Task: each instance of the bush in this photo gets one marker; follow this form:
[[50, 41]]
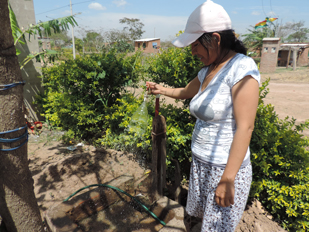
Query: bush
[[280, 163], [179, 128], [175, 67], [122, 46], [86, 96], [118, 136], [78, 92]]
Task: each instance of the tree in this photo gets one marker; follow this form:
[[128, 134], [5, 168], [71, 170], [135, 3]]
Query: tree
[[94, 40], [91, 40], [134, 26], [79, 45], [114, 35], [295, 31], [18, 205], [60, 38], [254, 39]]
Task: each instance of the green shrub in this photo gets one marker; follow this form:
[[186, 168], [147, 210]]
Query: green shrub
[[86, 96], [175, 67], [280, 166], [122, 46], [78, 92], [118, 136], [179, 129]]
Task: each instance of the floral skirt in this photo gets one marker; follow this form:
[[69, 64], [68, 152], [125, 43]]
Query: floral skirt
[[201, 203]]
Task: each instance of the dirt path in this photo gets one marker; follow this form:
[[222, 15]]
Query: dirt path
[[291, 99], [289, 93]]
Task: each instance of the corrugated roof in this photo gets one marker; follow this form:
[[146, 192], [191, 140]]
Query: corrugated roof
[[286, 47], [294, 45], [146, 40], [271, 39]]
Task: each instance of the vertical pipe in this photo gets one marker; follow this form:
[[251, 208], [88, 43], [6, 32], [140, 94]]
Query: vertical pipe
[[73, 40], [157, 105]]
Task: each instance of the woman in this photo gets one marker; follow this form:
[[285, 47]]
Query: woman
[[224, 100]]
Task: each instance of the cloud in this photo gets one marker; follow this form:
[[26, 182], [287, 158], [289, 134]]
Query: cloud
[[164, 27], [255, 13], [234, 12], [96, 6], [120, 2], [66, 12]]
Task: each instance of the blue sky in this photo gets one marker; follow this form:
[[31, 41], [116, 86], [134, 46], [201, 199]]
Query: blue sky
[[164, 18]]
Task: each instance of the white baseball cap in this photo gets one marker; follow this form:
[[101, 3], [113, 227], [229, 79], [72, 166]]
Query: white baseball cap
[[208, 17]]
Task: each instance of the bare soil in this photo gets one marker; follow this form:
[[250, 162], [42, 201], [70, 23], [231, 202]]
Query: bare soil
[[289, 93], [58, 172]]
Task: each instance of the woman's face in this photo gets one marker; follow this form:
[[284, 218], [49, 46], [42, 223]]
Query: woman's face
[[200, 51]]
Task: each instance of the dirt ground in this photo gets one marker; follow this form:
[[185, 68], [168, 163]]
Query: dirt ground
[[58, 172], [288, 92]]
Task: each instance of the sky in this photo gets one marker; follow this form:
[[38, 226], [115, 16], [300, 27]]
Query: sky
[[165, 18]]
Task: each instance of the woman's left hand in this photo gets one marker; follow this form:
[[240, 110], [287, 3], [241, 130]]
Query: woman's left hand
[[225, 193]]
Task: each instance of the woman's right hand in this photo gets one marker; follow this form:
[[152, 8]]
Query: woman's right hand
[[153, 88]]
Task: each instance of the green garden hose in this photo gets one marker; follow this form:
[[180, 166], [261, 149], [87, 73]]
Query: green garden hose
[[112, 187]]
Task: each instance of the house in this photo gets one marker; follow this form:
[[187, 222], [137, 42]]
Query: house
[[150, 45], [45, 43], [286, 52], [269, 54], [276, 54]]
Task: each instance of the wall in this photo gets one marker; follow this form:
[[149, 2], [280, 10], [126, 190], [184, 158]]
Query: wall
[[149, 48], [269, 56], [303, 57], [24, 11]]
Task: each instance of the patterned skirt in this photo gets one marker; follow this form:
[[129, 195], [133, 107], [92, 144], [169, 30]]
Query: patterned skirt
[[201, 203]]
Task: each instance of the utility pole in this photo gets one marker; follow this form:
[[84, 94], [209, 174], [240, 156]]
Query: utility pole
[[73, 40]]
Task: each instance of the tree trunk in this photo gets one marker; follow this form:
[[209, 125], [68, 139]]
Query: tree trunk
[[18, 205]]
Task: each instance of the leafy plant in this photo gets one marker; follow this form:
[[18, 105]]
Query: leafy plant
[[118, 136], [179, 128], [87, 97], [79, 92], [55, 25], [254, 39], [281, 166], [174, 67]]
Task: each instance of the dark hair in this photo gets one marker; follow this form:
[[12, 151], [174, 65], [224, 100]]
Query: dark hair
[[228, 42]]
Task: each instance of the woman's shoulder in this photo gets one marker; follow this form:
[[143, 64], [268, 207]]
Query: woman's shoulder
[[244, 58], [244, 65]]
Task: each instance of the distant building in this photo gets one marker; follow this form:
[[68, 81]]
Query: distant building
[[275, 54], [45, 43], [150, 45], [288, 49], [269, 54]]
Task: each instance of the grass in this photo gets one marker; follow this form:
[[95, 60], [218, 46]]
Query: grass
[[289, 69]]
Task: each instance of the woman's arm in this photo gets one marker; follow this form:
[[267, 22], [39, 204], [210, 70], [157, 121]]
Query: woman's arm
[[178, 93], [245, 95]]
